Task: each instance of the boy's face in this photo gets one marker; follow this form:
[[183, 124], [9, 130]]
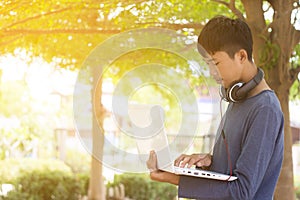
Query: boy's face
[[229, 70]]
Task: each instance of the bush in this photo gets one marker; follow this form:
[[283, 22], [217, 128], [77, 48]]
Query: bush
[[141, 187], [45, 185], [297, 186], [78, 162], [43, 179], [10, 169], [83, 179]]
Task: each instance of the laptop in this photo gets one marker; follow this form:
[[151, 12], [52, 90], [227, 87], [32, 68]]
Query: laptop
[[150, 118]]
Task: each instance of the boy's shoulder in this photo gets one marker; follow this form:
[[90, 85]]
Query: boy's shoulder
[[265, 100]]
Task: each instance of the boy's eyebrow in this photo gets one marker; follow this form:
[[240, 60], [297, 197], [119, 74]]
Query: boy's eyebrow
[[210, 60]]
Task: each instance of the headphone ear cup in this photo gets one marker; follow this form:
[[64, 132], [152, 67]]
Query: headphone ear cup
[[239, 91], [232, 93]]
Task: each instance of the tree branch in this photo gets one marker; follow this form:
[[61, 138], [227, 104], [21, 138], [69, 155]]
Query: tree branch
[[9, 41], [14, 6], [294, 74], [237, 12], [231, 6], [296, 38], [296, 14], [222, 2], [27, 31], [172, 25], [36, 17], [269, 7], [11, 32], [272, 3]]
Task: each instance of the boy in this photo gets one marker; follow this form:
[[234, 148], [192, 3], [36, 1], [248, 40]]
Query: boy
[[250, 145]]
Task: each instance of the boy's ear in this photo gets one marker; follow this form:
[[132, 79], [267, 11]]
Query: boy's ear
[[242, 55]]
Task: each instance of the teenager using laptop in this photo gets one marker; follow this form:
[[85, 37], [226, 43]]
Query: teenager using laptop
[[250, 145]]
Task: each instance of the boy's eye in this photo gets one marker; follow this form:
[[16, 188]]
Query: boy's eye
[[210, 62], [216, 63]]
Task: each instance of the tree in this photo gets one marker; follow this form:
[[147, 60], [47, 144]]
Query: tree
[[65, 32]]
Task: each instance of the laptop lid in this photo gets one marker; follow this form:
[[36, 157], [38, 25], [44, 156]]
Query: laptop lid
[[150, 119], [149, 133]]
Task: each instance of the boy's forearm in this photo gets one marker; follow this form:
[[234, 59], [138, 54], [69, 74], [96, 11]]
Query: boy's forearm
[[162, 176]]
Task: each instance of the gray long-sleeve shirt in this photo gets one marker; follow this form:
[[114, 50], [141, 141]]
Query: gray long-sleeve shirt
[[254, 134]]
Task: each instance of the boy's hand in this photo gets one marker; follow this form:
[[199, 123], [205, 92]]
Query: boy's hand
[[200, 160], [152, 162], [158, 175]]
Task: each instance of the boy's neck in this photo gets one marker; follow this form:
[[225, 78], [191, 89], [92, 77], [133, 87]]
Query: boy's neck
[[259, 88], [249, 72]]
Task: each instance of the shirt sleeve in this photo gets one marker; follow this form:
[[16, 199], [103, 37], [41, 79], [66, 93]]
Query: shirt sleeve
[[251, 166]]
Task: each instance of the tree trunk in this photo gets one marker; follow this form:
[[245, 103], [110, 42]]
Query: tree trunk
[[96, 184], [276, 70], [280, 83], [284, 188]]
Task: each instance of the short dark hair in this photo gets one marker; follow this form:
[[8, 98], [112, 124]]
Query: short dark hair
[[225, 34]]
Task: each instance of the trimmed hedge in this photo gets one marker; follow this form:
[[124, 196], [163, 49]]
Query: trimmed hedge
[[52, 179], [141, 187], [46, 185], [10, 169], [42, 179]]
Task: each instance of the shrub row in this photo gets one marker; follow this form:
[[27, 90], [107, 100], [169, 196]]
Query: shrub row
[[52, 179], [141, 187], [41, 179], [46, 185]]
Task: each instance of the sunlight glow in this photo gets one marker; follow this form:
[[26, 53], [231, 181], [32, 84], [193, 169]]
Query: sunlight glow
[[42, 78]]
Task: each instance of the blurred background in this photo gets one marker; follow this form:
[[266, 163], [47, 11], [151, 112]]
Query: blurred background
[[43, 46]]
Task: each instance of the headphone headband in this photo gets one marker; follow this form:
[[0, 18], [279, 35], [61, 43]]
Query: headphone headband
[[238, 91]]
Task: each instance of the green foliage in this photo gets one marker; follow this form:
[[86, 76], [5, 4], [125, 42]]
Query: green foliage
[[60, 31], [78, 162], [12, 168], [154, 92], [42, 179], [66, 31], [269, 54], [135, 59], [295, 90], [297, 185], [31, 125], [295, 63], [139, 186], [46, 185]]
